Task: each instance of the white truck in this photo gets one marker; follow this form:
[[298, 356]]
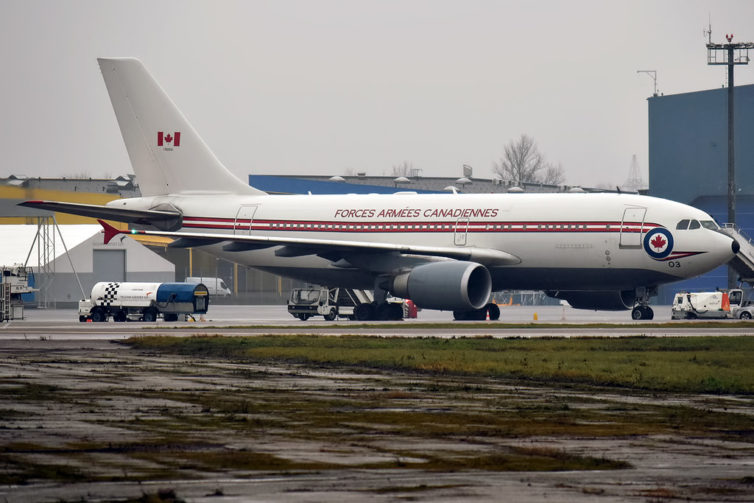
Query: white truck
[[718, 304], [143, 301], [215, 286]]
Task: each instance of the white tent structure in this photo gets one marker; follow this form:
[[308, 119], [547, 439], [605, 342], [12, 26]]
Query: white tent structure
[[123, 259], [16, 241]]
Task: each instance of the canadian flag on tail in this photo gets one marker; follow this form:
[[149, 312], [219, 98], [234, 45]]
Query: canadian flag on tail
[[168, 140]]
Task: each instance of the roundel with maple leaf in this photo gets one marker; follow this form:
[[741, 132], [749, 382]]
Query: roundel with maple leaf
[[658, 243]]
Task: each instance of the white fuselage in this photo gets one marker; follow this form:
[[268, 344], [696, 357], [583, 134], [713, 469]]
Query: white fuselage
[[563, 241]]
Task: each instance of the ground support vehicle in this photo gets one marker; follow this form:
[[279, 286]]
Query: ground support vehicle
[[719, 304], [215, 286], [14, 282], [330, 303], [143, 301]]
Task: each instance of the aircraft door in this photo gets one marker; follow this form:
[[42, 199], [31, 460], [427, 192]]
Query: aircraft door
[[244, 218], [462, 229], [632, 226]]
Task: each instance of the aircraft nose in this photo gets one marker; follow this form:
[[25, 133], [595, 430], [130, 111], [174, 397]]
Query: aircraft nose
[[735, 246]]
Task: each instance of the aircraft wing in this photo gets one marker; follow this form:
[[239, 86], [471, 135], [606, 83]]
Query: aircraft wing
[[161, 219], [331, 249]]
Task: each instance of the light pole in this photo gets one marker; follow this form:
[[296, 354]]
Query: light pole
[[730, 54]]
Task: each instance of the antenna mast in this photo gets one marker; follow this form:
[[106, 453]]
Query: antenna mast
[[730, 55], [653, 75]]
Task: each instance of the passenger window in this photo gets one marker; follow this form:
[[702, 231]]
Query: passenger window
[[694, 224], [682, 225]]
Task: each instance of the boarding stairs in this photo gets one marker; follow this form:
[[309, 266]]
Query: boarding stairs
[[743, 262]]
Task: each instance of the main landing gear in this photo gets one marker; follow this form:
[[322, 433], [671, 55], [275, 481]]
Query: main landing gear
[[642, 311], [490, 310]]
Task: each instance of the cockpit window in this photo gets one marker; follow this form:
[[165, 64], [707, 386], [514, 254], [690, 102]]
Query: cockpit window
[[694, 224], [682, 225], [710, 224]]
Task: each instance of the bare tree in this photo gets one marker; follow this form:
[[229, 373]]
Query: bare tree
[[553, 175], [404, 169], [522, 162]]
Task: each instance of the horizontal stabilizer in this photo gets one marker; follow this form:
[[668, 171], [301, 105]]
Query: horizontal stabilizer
[[157, 218]]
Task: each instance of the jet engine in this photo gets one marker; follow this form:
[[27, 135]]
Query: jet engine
[[597, 300], [452, 285]]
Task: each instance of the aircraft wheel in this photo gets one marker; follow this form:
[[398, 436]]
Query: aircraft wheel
[[331, 315], [648, 313], [395, 312], [494, 311], [637, 313], [382, 312], [745, 315], [364, 312]]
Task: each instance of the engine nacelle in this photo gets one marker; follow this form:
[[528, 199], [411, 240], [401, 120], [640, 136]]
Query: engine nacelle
[[445, 285], [597, 300]]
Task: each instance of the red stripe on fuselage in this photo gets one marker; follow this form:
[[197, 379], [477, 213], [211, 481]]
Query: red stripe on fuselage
[[423, 226]]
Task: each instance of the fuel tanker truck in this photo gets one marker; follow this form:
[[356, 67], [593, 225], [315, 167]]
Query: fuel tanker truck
[[143, 301]]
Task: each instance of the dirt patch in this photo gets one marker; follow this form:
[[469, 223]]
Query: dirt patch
[[94, 418]]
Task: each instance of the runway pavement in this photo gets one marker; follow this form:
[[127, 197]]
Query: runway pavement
[[541, 321]]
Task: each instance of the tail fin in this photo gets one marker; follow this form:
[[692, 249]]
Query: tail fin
[[167, 154]]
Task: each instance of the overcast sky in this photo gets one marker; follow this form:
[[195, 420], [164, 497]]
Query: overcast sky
[[331, 87]]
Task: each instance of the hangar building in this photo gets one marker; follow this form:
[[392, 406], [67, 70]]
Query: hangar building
[[688, 162]]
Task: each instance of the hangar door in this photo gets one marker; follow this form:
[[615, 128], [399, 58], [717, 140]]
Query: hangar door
[[631, 228], [109, 265]]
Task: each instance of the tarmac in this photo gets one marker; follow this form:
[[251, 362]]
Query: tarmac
[[110, 399]]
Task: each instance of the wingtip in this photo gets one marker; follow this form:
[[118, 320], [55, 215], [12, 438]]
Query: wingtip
[[110, 231]]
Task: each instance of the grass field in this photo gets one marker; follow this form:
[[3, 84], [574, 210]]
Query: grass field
[[684, 364]]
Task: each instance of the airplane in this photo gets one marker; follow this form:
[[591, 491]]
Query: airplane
[[601, 251]]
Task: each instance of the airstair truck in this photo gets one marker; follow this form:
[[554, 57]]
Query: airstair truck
[[143, 301], [718, 304]]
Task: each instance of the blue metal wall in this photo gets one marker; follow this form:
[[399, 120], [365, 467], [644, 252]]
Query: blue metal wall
[[292, 185], [688, 162]]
